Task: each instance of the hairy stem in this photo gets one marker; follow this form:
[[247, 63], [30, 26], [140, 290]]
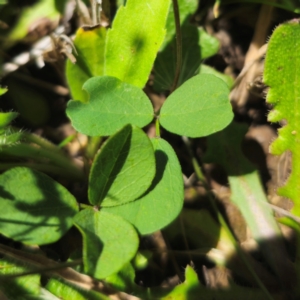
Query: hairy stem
[[40, 154]]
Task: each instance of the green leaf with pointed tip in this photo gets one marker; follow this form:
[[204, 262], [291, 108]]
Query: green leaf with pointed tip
[[246, 191], [162, 203], [7, 118], [112, 105], [89, 44], [124, 168], [136, 35], [198, 108], [282, 75], [36, 209], [20, 288], [109, 242]]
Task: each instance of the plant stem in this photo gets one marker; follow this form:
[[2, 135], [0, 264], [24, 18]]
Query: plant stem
[[178, 45], [33, 138], [67, 140], [93, 146], [40, 154], [157, 128], [221, 219], [83, 206]]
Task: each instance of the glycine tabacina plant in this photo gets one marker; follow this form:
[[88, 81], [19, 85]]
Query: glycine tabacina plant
[[135, 184]]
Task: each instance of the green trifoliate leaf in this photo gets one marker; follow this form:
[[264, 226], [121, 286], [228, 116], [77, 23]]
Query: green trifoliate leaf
[[198, 108], [163, 201], [109, 242], [36, 209], [112, 105], [136, 35], [124, 168], [282, 75], [89, 44]]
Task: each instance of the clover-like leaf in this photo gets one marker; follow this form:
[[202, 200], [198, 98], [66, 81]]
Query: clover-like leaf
[[124, 168], [109, 242], [198, 108], [136, 35], [35, 208], [112, 105], [163, 201]]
